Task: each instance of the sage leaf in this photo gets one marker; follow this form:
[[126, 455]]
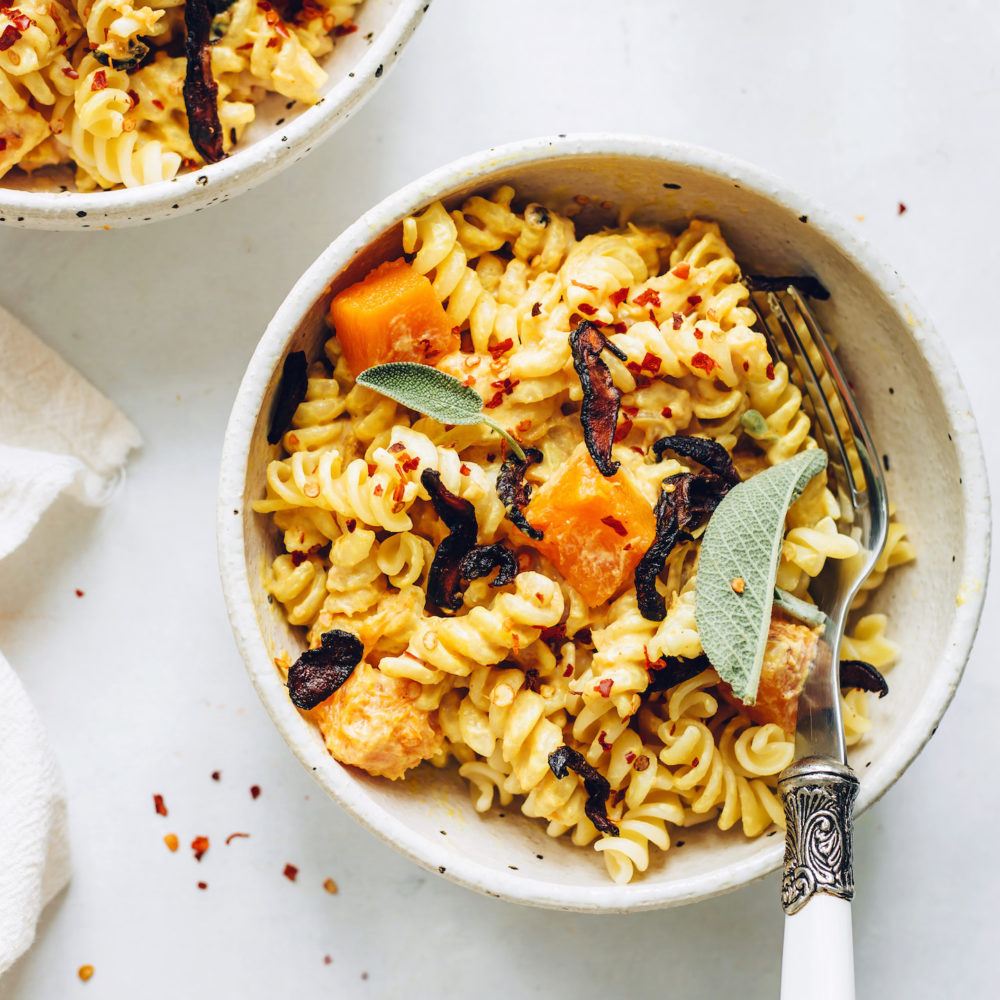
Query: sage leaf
[[797, 608], [737, 567], [434, 393]]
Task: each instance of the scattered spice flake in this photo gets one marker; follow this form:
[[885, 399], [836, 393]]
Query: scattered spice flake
[[347, 28], [596, 785], [78, 592], [327, 960], [603, 688], [623, 430], [601, 398], [738, 584], [100, 80], [351, 526], [651, 363], [171, 841], [629, 757], [498, 350], [666, 412], [85, 972], [580, 284], [617, 298], [702, 361], [554, 634], [698, 334], [254, 791], [216, 775], [159, 805], [587, 309], [902, 209], [199, 845], [233, 836], [694, 299], [650, 297], [615, 525], [331, 887], [70, 72], [320, 672], [678, 320], [536, 309], [158, 104], [202, 885], [9, 37], [682, 270], [602, 739], [769, 372], [290, 872]]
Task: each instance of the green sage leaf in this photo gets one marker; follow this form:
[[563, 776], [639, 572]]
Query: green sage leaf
[[434, 393], [797, 608], [743, 543]]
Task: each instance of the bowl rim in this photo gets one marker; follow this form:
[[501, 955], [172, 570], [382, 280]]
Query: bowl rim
[[637, 895], [247, 167]]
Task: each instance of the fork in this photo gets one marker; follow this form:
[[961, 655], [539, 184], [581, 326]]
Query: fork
[[819, 788]]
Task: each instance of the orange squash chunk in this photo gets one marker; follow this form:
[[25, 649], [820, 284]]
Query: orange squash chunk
[[393, 315], [788, 655], [596, 528]]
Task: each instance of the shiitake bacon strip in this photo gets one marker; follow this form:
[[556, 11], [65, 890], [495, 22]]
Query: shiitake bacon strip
[[712, 455], [291, 391], [686, 501], [200, 89], [515, 493], [458, 558], [673, 670], [601, 398], [595, 784], [805, 283], [318, 673], [859, 674]]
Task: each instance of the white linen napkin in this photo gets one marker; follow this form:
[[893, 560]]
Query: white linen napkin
[[57, 433]]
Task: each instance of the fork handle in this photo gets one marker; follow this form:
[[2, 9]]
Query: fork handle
[[817, 883]]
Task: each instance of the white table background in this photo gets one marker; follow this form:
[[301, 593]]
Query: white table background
[[863, 105]]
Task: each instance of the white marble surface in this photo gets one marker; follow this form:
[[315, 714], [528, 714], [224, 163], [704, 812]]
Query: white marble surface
[[862, 105]]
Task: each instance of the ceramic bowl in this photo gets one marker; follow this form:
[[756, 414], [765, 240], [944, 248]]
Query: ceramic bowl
[[281, 134], [907, 386]]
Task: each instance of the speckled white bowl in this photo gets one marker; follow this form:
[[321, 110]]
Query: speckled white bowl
[[282, 133], [907, 386]]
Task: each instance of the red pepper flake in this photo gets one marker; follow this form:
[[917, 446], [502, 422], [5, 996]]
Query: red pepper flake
[[504, 388], [347, 28], [682, 270], [290, 872], [327, 960], [331, 887], [100, 80], [901, 209], [746, 366], [603, 688], [409, 465], [85, 972], [617, 298], [568, 672], [698, 334], [704, 362], [650, 297], [580, 284], [9, 37], [769, 372], [652, 316], [78, 591], [738, 584], [351, 525], [587, 309], [160, 806], [464, 469], [282, 30], [244, 46], [631, 411], [171, 841], [536, 309], [216, 775], [554, 633], [641, 763], [199, 845], [615, 525], [378, 490], [497, 350], [233, 836], [650, 363], [619, 327], [602, 738], [678, 320], [694, 299], [666, 412], [255, 791], [202, 885], [70, 72], [157, 104], [395, 449], [629, 757], [623, 430], [273, 43], [696, 762], [298, 557]]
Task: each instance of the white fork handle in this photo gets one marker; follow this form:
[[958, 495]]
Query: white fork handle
[[817, 959]]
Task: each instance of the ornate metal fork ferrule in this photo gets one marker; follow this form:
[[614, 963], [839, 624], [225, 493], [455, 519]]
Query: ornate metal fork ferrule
[[818, 795]]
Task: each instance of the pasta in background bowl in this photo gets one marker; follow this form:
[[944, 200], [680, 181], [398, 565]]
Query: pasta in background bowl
[[106, 133], [906, 386]]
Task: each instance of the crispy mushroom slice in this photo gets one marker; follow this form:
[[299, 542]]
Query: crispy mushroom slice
[[515, 493], [601, 397], [673, 670], [862, 675], [595, 784], [291, 391], [318, 673], [706, 452], [200, 89], [445, 576], [481, 560]]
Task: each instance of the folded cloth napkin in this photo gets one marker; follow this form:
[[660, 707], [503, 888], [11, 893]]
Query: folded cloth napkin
[[57, 433]]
